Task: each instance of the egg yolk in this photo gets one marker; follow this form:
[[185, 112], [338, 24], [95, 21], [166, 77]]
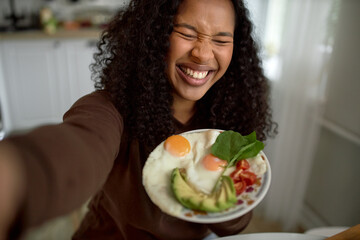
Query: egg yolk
[[213, 163], [177, 145]]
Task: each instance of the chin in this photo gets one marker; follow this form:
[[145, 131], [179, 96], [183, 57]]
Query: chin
[[192, 96]]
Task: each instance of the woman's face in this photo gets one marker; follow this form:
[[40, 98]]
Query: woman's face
[[201, 46]]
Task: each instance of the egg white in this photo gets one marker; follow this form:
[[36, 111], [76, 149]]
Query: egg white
[[257, 165], [160, 163], [198, 176]]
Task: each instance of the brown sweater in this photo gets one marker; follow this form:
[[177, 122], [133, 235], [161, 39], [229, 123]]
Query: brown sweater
[[89, 154]]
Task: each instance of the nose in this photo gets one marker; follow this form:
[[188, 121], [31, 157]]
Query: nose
[[202, 51]]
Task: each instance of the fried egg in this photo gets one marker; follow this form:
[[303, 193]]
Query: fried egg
[[177, 145]]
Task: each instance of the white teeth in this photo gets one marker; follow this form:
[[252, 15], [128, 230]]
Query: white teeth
[[195, 74]]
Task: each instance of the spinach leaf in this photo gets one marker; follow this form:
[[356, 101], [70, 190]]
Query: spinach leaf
[[228, 144], [232, 146]]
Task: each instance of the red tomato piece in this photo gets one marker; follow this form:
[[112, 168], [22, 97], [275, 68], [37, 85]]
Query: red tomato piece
[[248, 177], [240, 187], [243, 164], [240, 166], [235, 175]]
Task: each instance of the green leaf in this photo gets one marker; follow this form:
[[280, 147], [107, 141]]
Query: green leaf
[[232, 146], [227, 145], [251, 150]]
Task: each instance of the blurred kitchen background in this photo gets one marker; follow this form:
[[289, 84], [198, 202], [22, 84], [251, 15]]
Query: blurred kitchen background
[[311, 54]]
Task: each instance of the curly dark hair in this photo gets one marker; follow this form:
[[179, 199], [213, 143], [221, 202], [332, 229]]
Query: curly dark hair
[[130, 64]]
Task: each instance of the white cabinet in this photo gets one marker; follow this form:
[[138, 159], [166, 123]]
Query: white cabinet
[[79, 56], [43, 78]]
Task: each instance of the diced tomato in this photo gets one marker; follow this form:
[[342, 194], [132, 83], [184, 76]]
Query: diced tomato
[[235, 175], [242, 177], [240, 167], [248, 177], [240, 186], [243, 164]]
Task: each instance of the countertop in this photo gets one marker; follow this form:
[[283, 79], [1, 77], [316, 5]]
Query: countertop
[[88, 33]]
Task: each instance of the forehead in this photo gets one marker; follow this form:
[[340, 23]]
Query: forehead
[[208, 16]]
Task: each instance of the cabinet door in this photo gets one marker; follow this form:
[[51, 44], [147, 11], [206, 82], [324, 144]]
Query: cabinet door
[[30, 75], [5, 123], [79, 56]]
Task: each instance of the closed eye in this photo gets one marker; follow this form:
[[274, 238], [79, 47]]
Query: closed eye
[[219, 42], [188, 36]]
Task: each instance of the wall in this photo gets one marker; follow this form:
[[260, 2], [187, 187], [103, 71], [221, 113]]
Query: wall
[[258, 13]]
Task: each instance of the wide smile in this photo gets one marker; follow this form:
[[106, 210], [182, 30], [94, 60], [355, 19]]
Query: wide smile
[[193, 73], [194, 77]]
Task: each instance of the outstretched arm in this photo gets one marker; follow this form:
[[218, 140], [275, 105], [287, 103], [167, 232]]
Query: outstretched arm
[[62, 165]]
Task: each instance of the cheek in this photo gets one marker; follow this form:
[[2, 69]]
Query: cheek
[[177, 49], [225, 58]]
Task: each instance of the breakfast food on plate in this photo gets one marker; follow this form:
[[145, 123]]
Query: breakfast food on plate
[[204, 171], [189, 197]]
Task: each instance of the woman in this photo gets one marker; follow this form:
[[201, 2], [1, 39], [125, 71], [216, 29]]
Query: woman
[[163, 67]]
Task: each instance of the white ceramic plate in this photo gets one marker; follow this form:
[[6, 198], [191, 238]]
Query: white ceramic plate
[[272, 236], [246, 201]]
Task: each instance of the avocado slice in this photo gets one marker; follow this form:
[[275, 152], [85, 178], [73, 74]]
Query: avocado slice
[[222, 197], [230, 190], [226, 197], [209, 204], [220, 200], [182, 191]]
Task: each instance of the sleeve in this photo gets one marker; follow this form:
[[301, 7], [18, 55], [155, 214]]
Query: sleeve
[[67, 163], [231, 227]]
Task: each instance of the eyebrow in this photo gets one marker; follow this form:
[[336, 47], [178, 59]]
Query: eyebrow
[[185, 25]]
